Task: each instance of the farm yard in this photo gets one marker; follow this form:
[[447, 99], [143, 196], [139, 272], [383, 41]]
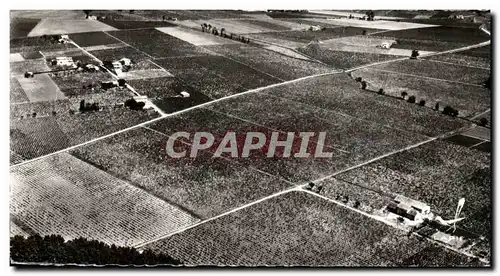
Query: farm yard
[[293, 229], [89, 136]]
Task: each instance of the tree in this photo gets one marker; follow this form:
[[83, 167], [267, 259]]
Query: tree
[[54, 113], [356, 204], [370, 15], [87, 13], [131, 11], [483, 121], [487, 83], [381, 91], [82, 106], [411, 99], [414, 54], [310, 186], [363, 85], [364, 32], [436, 106], [421, 103], [33, 115], [448, 110], [404, 94], [358, 79]]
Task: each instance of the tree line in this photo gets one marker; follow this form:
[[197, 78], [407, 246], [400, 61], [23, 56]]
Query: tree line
[[55, 250]]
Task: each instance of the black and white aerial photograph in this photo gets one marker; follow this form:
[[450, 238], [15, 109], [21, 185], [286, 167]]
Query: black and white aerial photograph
[[264, 138]]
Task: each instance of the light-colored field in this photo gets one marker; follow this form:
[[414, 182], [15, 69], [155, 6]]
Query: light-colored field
[[195, 37], [15, 57], [364, 44], [105, 47], [377, 24], [58, 26], [66, 196], [32, 65], [145, 74], [346, 14], [40, 88], [66, 52], [43, 14], [231, 26]]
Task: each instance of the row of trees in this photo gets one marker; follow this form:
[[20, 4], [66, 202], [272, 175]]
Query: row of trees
[[212, 29], [448, 110], [55, 250]]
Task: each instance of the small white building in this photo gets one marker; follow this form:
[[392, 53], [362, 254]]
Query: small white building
[[64, 62], [315, 28], [125, 62], [145, 100], [92, 17]]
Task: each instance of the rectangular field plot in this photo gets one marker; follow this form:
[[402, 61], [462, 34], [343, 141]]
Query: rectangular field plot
[[135, 24], [449, 72], [292, 229], [21, 27], [205, 186], [58, 26], [306, 36], [272, 63], [119, 53], [475, 57], [339, 93], [441, 33], [35, 137], [195, 37], [343, 59], [467, 99], [92, 39], [34, 44], [158, 44], [235, 72], [377, 24], [40, 88], [66, 196], [439, 174]]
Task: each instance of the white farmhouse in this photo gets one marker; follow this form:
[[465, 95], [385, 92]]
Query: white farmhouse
[[64, 62]]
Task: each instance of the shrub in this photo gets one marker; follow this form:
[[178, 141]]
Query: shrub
[[381, 91], [358, 79], [436, 107], [448, 110], [411, 99], [363, 85], [134, 105], [404, 94], [483, 121], [421, 103]]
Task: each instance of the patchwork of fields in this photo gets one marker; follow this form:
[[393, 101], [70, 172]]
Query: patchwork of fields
[[86, 162]]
